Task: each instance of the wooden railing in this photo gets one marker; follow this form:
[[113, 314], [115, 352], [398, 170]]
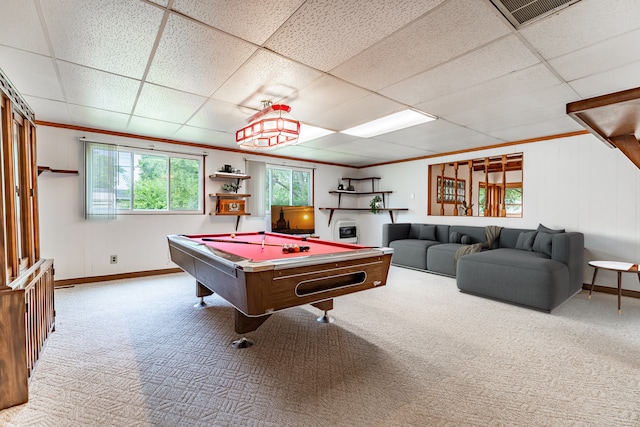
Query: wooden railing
[[40, 314], [27, 318]]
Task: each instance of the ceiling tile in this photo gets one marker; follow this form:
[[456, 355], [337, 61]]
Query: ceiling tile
[[110, 35], [540, 129], [252, 20], [93, 88], [603, 56], [497, 59], [99, 119], [325, 33], [324, 94], [355, 113], [150, 127], [533, 78], [162, 3], [329, 141], [20, 27], [297, 151], [346, 159], [610, 81], [266, 76], [31, 73], [425, 44], [48, 110], [582, 24], [221, 116], [194, 58], [205, 136], [517, 108], [157, 102]]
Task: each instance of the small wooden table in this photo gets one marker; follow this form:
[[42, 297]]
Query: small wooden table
[[619, 267]]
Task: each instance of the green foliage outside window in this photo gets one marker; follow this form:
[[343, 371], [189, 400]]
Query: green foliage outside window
[[289, 187], [146, 182], [150, 182]]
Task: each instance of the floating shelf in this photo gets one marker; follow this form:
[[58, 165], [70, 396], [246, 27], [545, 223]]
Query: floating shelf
[[229, 195], [227, 175], [64, 171], [382, 193], [390, 210], [233, 176]]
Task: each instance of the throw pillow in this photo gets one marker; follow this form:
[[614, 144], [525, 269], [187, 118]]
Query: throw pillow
[[525, 240], [542, 243], [466, 240], [549, 230], [428, 232], [414, 232], [454, 237]]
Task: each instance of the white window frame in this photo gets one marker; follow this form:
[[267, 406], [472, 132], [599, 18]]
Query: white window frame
[[113, 210]]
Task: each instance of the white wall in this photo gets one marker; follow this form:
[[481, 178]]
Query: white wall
[[81, 248], [575, 183]]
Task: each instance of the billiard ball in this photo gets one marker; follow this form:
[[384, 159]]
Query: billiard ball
[[233, 236]]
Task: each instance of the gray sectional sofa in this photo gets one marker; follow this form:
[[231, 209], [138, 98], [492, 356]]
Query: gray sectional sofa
[[539, 269]]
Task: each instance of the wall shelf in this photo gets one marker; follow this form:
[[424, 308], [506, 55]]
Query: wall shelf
[[365, 192], [223, 199], [63, 171], [390, 210]]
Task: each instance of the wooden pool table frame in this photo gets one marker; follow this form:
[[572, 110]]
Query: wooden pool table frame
[[259, 289]]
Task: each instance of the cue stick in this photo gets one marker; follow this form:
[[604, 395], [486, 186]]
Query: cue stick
[[209, 239]]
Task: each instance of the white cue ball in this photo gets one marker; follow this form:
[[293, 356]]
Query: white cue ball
[[233, 236]]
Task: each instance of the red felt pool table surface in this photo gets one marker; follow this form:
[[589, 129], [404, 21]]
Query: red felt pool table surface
[[252, 249]]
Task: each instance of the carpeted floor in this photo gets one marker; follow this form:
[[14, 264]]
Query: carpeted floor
[[416, 352]]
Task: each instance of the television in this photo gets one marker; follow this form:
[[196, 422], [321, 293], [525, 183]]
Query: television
[[292, 219]]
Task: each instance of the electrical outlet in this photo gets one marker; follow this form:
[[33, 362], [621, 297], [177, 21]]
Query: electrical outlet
[[113, 259]]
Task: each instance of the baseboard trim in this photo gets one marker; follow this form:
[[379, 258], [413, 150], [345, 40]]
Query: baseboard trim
[[132, 275], [610, 290]]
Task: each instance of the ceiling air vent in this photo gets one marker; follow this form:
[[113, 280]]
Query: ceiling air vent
[[520, 12]]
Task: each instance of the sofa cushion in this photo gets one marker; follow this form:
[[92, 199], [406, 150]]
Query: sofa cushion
[[549, 230], [477, 234], [543, 240], [525, 240], [411, 252], [428, 232], [542, 243], [516, 276], [414, 231], [440, 258], [454, 237], [466, 240]]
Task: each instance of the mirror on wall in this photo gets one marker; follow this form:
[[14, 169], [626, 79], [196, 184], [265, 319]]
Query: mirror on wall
[[486, 186]]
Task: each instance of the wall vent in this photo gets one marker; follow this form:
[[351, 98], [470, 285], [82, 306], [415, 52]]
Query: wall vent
[[520, 12]]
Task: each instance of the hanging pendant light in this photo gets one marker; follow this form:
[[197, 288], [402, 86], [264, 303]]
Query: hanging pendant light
[[272, 127]]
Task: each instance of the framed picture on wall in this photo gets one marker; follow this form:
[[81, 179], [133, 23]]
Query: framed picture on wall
[[449, 189]]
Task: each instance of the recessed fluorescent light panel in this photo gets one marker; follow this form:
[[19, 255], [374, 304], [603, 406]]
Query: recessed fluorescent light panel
[[395, 121], [308, 132]]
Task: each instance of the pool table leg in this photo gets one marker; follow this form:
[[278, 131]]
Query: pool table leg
[[244, 324], [201, 292], [326, 306]]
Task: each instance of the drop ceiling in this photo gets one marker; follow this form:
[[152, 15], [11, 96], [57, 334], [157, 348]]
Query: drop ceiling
[[194, 71]]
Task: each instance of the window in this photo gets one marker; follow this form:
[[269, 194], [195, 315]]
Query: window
[[130, 180], [288, 186], [512, 199]]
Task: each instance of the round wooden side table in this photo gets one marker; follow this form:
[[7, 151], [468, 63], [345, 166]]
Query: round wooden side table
[[619, 267]]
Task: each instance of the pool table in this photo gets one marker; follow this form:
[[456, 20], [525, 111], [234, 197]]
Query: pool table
[[260, 279]]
